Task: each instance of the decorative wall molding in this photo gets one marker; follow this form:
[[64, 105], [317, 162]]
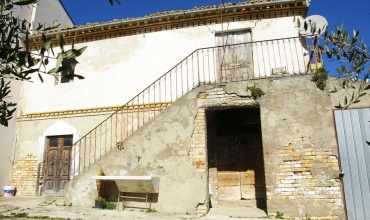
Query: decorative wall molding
[[93, 111]]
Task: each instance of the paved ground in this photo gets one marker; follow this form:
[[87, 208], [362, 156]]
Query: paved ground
[[37, 208]]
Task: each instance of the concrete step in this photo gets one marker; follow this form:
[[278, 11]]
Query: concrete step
[[238, 203]]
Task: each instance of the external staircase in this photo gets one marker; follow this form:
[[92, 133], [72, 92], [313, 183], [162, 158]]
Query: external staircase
[[238, 62]]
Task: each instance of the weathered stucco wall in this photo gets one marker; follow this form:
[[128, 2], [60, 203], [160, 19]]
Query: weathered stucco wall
[[300, 152], [135, 61], [160, 148], [30, 145], [299, 145], [301, 158], [32, 133]]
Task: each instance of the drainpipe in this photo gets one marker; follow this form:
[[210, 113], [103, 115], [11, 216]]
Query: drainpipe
[[37, 180], [33, 15], [14, 147]]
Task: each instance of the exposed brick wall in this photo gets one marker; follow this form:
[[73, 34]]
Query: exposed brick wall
[[198, 152], [303, 177], [298, 180], [25, 174]]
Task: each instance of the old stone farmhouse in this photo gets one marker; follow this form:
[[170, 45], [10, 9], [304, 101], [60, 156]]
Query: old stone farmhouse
[[175, 95]]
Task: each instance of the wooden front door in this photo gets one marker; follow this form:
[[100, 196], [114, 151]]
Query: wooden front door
[[235, 156], [57, 165]]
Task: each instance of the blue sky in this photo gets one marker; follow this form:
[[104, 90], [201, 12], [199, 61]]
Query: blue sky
[[354, 14]]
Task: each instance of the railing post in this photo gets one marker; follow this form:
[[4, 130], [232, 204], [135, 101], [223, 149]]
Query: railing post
[[198, 67]]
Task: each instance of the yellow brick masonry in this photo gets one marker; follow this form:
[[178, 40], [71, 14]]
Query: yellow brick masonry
[[295, 178], [198, 147], [24, 175], [198, 152]]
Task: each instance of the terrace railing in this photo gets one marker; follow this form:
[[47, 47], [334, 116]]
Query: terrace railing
[[211, 65]]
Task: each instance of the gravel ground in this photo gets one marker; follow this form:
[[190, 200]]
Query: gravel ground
[[19, 207]]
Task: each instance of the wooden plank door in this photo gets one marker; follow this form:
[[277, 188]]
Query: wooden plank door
[[235, 61], [228, 169], [240, 169], [57, 164]]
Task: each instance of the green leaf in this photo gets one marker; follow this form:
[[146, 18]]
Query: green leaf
[[46, 45], [29, 71], [40, 77], [313, 28], [39, 27], [79, 76], [25, 2], [305, 26], [8, 7], [362, 94], [59, 61], [54, 70], [61, 43], [111, 2]]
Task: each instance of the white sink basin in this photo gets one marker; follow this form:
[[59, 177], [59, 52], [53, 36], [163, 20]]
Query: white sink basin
[[134, 184]]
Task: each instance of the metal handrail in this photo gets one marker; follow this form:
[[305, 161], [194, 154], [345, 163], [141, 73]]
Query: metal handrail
[[236, 62]]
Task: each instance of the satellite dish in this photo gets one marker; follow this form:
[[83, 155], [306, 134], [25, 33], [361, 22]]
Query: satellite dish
[[316, 25]]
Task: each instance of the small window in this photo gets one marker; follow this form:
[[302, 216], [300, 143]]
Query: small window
[[68, 142], [53, 143]]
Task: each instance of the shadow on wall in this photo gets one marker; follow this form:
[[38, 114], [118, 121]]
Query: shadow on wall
[[111, 195]]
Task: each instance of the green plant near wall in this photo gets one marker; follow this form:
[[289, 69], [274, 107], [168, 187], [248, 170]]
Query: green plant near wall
[[319, 78], [255, 91], [279, 215], [110, 205]]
